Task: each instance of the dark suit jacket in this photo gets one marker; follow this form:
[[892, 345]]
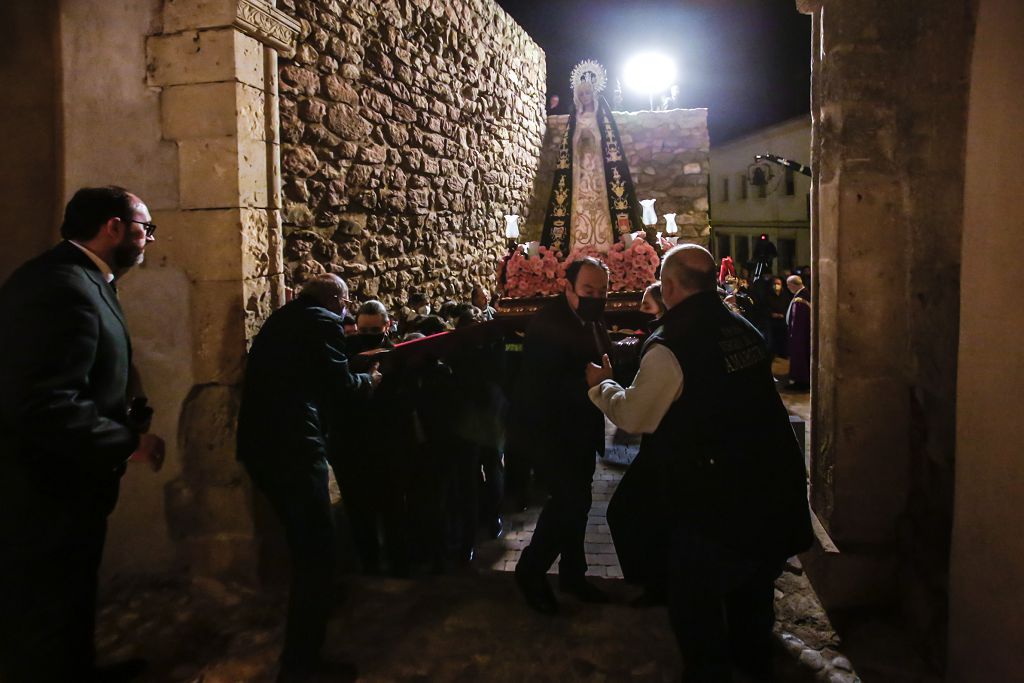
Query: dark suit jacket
[[297, 380], [64, 362], [550, 408]]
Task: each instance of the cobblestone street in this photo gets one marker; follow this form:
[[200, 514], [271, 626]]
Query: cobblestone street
[[442, 628], [469, 626]]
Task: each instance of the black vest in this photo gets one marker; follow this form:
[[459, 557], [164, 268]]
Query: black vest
[[731, 469]]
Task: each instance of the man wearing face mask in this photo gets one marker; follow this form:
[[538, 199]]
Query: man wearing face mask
[[416, 309], [372, 326], [552, 419], [358, 459]]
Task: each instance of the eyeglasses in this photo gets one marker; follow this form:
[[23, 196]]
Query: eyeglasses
[[150, 228]]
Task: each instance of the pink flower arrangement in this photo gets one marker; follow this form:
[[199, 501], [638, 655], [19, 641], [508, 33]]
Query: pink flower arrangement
[[630, 268], [540, 275]]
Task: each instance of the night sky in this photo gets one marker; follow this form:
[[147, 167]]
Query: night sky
[[747, 61]]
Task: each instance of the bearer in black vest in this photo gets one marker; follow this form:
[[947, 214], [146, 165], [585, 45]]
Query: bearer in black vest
[[720, 474]]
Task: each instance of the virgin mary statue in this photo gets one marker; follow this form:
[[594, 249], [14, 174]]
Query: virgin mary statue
[[593, 202]]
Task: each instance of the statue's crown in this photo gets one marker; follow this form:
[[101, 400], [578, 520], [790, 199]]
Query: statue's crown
[[589, 71]]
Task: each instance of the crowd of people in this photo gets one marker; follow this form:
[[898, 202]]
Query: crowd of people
[[779, 307], [703, 519]]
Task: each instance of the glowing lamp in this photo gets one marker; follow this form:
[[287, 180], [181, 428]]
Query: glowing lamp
[[649, 73]]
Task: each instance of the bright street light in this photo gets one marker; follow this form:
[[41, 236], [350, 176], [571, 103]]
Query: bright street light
[[650, 73]]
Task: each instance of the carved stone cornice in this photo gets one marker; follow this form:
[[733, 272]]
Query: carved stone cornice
[[267, 24], [808, 6]]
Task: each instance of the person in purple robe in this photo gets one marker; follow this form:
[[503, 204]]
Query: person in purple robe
[[798, 320]]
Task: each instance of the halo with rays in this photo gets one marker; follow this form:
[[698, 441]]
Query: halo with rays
[[591, 71]]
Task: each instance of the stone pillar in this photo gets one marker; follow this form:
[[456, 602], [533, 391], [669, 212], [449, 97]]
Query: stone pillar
[[889, 101], [986, 626], [216, 63]]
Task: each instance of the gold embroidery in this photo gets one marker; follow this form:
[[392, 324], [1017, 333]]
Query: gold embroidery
[[563, 151], [561, 198], [612, 152], [618, 189]]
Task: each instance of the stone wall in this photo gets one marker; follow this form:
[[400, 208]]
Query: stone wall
[[889, 100], [409, 127], [155, 296], [29, 71], [668, 154]]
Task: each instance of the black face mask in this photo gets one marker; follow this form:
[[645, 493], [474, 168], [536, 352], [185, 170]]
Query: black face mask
[[591, 308], [358, 343], [373, 340]]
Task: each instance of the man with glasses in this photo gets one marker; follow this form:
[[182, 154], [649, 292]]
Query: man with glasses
[[66, 432], [297, 385]]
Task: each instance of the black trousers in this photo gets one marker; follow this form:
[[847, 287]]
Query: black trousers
[[493, 483], [722, 608], [361, 480], [48, 601], [562, 526], [302, 500], [462, 497], [639, 527]]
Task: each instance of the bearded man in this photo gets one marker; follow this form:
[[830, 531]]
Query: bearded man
[[66, 432]]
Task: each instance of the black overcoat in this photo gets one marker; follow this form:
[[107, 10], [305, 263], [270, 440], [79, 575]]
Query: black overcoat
[[550, 409], [64, 363], [297, 382]]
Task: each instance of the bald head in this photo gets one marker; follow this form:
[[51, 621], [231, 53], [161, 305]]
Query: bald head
[[687, 269], [328, 290], [794, 283]]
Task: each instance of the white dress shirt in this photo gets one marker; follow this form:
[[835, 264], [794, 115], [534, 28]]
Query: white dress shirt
[[640, 408], [108, 274]]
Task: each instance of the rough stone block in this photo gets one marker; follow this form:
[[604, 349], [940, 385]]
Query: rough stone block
[[250, 107], [252, 173], [193, 57], [203, 508], [213, 110], [209, 173], [205, 244], [218, 325], [199, 110], [256, 243], [183, 15], [209, 419], [224, 556], [259, 303]]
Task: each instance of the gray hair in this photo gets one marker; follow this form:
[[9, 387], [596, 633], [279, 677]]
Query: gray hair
[[373, 307], [324, 289]]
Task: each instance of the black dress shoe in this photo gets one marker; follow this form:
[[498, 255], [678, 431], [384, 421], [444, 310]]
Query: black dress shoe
[[120, 672], [584, 590], [536, 590]]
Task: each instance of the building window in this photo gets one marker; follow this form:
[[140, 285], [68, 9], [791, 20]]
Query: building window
[[743, 185], [787, 253], [725, 189], [742, 258], [790, 183], [724, 247]]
